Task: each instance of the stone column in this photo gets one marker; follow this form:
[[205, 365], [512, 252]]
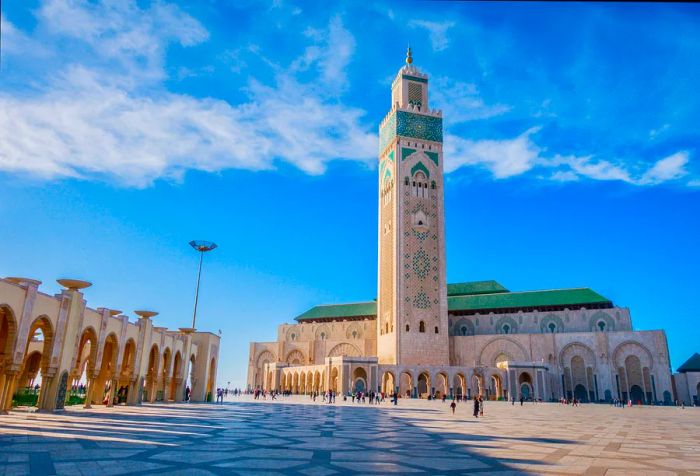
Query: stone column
[[7, 391], [88, 393]]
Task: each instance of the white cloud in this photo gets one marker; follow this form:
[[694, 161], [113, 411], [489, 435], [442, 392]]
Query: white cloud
[[668, 168], [122, 32], [331, 53], [587, 167], [461, 101], [437, 31], [101, 122], [503, 158]]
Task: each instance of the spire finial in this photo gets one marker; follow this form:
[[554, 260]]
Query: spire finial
[[409, 58]]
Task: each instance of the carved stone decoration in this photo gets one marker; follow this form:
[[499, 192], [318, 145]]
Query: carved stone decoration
[[61, 394]]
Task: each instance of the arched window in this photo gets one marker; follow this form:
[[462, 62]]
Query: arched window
[[387, 328], [323, 336], [406, 181], [601, 326], [293, 336], [436, 330], [421, 326], [407, 328], [506, 329], [354, 334], [552, 327], [463, 330]]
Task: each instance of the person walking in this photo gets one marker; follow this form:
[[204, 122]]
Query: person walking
[[476, 407], [453, 406], [522, 399]]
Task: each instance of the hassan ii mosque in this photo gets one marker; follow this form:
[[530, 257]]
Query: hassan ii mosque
[[426, 336]]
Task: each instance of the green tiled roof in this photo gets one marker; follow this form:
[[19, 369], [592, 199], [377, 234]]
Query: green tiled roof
[[474, 296], [508, 300], [330, 311], [475, 287], [691, 365]]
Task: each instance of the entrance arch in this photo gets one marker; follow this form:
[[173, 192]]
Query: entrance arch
[[211, 381], [334, 379], [460, 384], [388, 383], [636, 394], [39, 340], [406, 384], [423, 385], [152, 374], [442, 385], [580, 393], [359, 380], [176, 378], [525, 383], [106, 377]]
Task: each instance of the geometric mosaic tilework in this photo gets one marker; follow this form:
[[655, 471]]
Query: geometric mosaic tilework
[[297, 437], [410, 124]]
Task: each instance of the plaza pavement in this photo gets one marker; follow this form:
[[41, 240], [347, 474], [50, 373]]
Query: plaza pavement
[[295, 436]]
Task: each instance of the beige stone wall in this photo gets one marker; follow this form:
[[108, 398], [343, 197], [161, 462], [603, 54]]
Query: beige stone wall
[[387, 269], [586, 320]]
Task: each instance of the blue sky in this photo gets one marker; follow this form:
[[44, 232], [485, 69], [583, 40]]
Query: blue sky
[[129, 128]]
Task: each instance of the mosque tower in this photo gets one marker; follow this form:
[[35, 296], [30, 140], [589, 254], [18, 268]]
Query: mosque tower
[[412, 324]]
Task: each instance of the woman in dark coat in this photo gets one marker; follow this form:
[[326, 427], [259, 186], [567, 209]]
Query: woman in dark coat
[[476, 407]]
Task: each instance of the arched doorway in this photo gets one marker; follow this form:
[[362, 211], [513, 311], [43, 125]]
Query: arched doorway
[[211, 380], [580, 393], [423, 385], [176, 378], [496, 390], [7, 343], [525, 383], [37, 353], [152, 374], [84, 368], [190, 381], [334, 379], [636, 394], [359, 380], [164, 376], [442, 385], [127, 372], [106, 377], [406, 384], [459, 383], [388, 383]]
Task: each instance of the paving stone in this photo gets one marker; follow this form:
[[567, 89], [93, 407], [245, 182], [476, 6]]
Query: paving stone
[[295, 435]]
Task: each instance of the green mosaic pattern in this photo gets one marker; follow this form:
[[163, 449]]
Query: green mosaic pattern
[[420, 166], [421, 264], [387, 133], [418, 126], [421, 301], [433, 156], [405, 152], [410, 124]]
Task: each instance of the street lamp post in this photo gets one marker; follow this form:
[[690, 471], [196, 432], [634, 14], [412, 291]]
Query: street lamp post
[[202, 247]]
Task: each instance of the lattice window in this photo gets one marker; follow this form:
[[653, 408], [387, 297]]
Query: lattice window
[[415, 94]]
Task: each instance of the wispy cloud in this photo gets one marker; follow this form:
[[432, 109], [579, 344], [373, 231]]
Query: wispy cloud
[[437, 32], [461, 101], [90, 122], [503, 158]]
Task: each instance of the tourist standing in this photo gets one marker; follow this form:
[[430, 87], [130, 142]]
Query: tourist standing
[[476, 407]]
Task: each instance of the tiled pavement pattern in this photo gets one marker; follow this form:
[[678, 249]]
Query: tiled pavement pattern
[[297, 437]]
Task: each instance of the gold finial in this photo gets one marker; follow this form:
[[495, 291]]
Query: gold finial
[[409, 58]]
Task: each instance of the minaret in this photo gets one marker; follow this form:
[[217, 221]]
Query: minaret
[[412, 302]]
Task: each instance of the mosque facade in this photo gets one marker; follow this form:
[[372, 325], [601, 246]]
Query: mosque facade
[[53, 344], [423, 336]]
